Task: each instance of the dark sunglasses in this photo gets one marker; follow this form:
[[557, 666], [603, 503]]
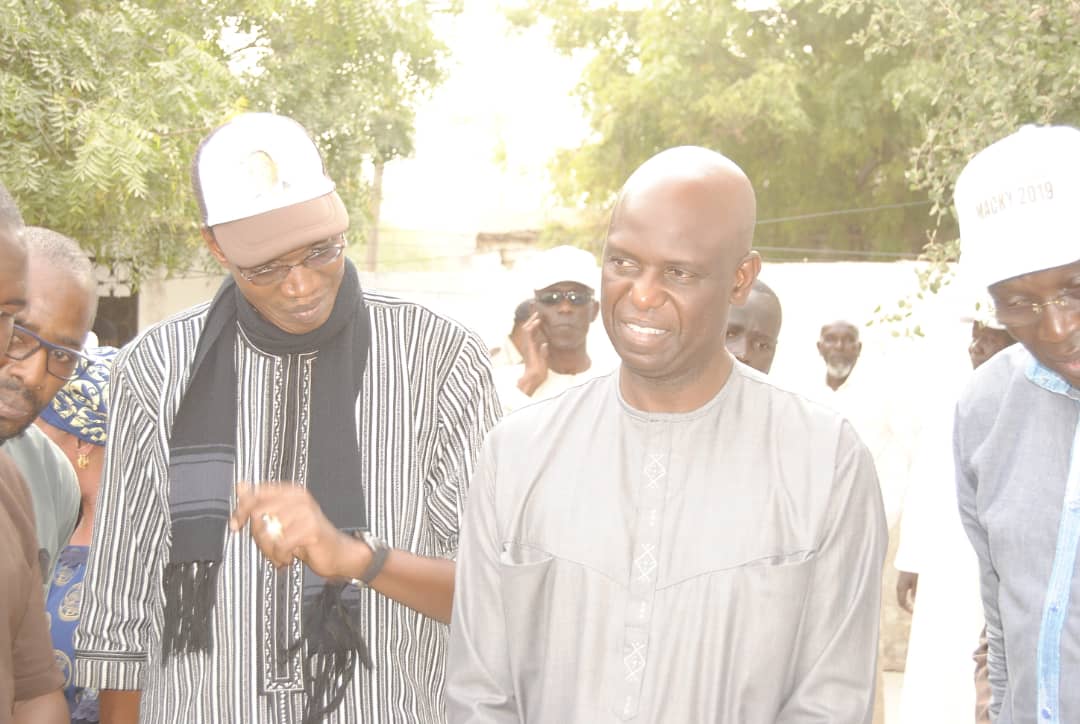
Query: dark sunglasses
[[552, 298]]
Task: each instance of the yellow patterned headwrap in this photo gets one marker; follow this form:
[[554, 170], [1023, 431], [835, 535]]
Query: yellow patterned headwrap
[[81, 407]]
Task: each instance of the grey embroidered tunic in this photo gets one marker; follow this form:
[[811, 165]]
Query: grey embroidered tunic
[[722, 565], [426, 403]]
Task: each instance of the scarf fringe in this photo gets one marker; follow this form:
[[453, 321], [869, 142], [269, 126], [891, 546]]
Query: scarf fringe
[[334, 644], [189, 605]]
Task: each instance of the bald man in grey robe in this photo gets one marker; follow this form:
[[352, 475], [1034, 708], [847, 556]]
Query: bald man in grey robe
[[682, 540]]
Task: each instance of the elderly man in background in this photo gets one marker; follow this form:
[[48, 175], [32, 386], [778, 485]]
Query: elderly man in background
[[839, 345], [1017, 438], [887, 422], [555, 338], [682, 541]]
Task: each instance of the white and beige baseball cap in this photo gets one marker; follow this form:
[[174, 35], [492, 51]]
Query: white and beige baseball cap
[[1018, 202], [564, 264], [265, 191]]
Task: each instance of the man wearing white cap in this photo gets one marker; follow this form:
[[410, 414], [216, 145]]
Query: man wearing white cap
[[286, 466], [1016, 432], [555, 353]]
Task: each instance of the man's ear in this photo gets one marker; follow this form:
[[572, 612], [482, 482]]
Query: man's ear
[[745, 274], [213, 246], [595, 311]]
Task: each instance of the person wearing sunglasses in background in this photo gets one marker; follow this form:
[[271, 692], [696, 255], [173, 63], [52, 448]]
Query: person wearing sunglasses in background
[[555, 352], [40, 359]]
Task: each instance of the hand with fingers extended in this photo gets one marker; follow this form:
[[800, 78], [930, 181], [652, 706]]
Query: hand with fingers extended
[[535, 354], [287, 523]]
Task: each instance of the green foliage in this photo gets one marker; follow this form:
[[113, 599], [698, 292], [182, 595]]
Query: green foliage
[[781, 91], [102, 104], [971, 74], [349, 71], [101, 107]]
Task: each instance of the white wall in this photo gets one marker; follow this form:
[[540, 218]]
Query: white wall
[[483, 295], [161, 298]]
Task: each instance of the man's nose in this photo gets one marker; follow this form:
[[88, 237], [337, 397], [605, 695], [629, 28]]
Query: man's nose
[[300, 281], [1057, 323], [646, 294]]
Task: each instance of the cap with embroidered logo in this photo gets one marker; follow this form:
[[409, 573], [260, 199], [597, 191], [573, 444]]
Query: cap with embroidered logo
[[264, 189], [1018, 203]]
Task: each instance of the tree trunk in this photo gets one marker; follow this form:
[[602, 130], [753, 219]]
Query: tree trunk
[[376, 204]]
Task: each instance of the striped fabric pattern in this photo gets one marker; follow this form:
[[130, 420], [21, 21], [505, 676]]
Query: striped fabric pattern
[[427, 402]]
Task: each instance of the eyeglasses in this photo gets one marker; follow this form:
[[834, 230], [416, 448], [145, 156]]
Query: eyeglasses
[[1027, 313], [553, 298], [60, 362], [264, 276]]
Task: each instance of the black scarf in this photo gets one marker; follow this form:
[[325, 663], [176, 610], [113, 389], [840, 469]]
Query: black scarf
[[202, 456]]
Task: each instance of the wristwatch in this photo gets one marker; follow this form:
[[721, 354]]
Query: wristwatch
[[379, 552]]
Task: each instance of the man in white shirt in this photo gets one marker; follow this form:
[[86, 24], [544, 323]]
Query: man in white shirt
[[554, 344], [936, 559]]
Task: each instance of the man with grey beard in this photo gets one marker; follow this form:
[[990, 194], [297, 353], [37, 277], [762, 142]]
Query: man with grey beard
[[839, 346]]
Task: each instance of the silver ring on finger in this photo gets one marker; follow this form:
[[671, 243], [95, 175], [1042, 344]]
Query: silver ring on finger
[[273, 525]]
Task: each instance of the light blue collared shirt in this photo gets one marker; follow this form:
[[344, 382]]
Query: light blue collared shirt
[[1016, 439]]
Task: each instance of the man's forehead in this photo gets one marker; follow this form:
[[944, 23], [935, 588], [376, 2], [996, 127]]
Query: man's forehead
[[1047, 278], [59, 307], [840, 328], [756, 316], [684, 190]]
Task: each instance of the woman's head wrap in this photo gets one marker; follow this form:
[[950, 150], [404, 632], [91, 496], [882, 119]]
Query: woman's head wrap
[[81, 407]]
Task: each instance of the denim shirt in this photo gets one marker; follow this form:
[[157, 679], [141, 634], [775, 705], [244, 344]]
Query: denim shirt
[[1018, 486]]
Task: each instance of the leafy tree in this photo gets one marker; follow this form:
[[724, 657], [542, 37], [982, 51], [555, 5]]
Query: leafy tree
[[103, 103], [779, 90], [970, 73], [350, 71], [101, 107]]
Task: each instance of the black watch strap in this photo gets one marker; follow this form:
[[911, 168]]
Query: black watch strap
[[379, 552]]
